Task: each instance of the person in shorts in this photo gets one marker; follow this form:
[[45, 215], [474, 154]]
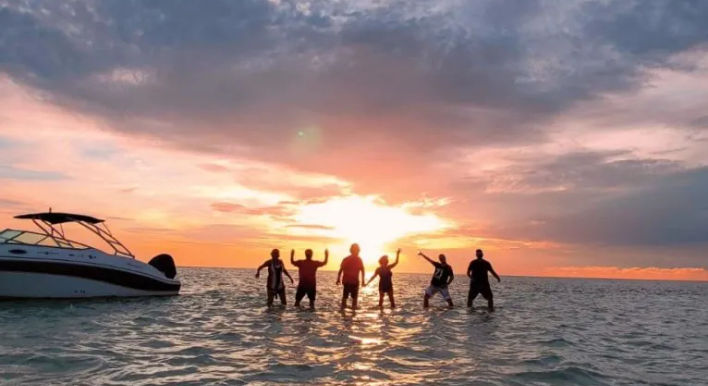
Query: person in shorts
[[307, 282], [442, 277], [276, 270], [385, 274], [348, 275], [479, 280]]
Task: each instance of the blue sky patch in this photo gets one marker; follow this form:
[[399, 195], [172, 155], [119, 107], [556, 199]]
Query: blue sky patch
[[10, 172]]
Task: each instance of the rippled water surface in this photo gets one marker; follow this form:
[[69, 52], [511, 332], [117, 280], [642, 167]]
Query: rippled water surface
[[545, 331]]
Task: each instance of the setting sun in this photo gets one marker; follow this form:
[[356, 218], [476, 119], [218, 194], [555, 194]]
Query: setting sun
[[366, 220]]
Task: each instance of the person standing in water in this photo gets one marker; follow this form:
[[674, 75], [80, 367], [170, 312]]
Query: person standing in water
[[348, 275], [276, 269], [479, 280], [307, 282], [442, 277], [385, 279]]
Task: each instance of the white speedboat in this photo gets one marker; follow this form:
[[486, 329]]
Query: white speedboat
[[46, 264]]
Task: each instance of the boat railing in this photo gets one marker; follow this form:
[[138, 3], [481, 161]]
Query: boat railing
[[50, 223]]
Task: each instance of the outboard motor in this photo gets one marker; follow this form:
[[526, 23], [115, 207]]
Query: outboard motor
[[165, 264]]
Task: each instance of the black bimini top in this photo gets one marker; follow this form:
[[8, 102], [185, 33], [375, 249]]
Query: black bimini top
[[59, 218]]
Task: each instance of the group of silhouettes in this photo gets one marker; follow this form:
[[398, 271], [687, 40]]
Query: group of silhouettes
[[352, 268]]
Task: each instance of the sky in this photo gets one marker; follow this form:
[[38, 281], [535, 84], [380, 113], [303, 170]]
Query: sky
[[565, 138]]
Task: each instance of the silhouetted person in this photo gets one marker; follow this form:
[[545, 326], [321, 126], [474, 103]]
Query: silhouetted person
[[307, 282], [276, 269], [442, 277], [385, 278], [348, 275], [479, 280]]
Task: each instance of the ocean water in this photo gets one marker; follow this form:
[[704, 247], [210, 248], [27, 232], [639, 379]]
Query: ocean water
[[545, 332]]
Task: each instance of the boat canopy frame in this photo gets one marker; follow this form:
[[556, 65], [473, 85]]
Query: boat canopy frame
[[47, 222]]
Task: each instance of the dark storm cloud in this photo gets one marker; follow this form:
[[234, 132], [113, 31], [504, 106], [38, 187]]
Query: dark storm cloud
[[700, 122], [594, 198], [246, 70], [671, 213], [30, 50], [669, 210], [582, 171], [651, 28]]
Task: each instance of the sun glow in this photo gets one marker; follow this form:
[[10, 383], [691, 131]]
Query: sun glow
[[366, 220]]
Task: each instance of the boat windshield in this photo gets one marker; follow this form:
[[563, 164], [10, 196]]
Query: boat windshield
[[11, 236]]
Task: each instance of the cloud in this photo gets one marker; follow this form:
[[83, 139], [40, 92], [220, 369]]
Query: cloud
[[670, 211], [276, 211], [489, 71], [10, 203], [311, 226], [643, 273], [650, 29], [700, 122], [227, 207], [578, 171], [368, 84]]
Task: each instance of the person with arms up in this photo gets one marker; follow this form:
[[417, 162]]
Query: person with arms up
[[442, 277], [348, 275], [307, 282], [479, 280], [276, 269], [385, 279]]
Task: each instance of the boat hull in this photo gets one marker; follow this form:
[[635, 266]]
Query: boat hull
[[43, 285], [48, 272]]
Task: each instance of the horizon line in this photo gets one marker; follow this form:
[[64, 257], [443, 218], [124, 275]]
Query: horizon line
[[522, 276]]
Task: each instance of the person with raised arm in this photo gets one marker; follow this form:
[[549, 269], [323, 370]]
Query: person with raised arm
[[307, 281], [479, 280], [276, 269], [442, 277], [348, 276], [385, 279]]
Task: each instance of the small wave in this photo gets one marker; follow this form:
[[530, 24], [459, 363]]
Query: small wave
[[568, 375]]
